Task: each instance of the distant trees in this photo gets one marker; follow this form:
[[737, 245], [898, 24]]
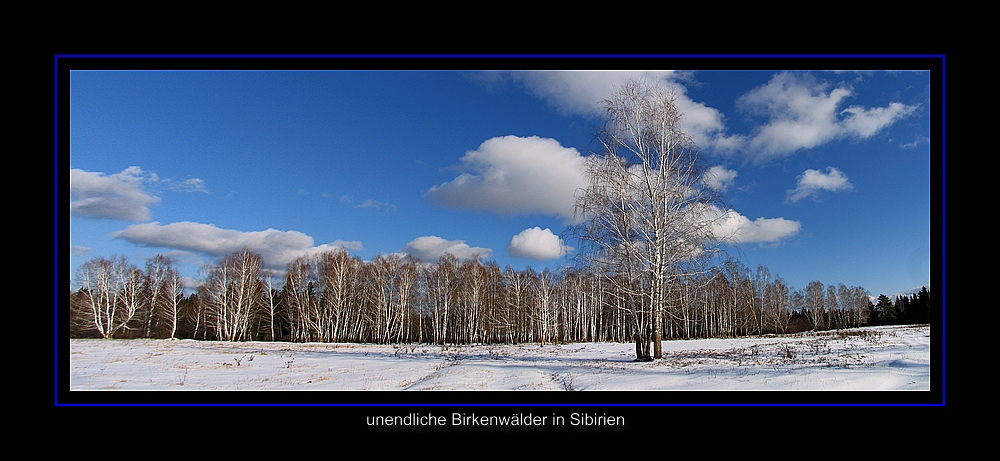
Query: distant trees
[[118, 299], [916, 308], [335, 297]]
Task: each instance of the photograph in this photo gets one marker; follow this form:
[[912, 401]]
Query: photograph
[[542, 239]]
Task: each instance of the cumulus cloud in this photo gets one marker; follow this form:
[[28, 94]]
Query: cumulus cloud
[[580, 92], [719, 177], [803, 113], [537, 243], [735, 228], [118, 196], [430, 248], [277, 248], [812, 182], [123, 196], [583, 92], [864, 123], [706, 125], [516, 175]]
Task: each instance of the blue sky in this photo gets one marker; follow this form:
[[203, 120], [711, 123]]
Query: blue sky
[[827, 174]]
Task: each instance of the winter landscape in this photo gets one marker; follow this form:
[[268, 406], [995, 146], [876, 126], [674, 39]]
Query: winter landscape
[[896, 358], [333, 236]]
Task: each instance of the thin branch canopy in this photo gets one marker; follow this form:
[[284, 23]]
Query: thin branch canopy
[[646, 212]]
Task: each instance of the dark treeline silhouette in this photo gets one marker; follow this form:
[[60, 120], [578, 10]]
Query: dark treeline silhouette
[[335, 297], [904, 310]]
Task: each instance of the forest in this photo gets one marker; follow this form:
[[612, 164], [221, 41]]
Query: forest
[[335, 297]]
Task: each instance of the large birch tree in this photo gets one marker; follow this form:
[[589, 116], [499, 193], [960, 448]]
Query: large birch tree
[[647, 209]]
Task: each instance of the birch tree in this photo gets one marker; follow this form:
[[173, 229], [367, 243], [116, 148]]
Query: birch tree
[[112, 289], [337, 272], [441, 289], [234, 295], [815, 309], [158, 270], [646, 209], [271, 302], [298, 299], [170, 294]]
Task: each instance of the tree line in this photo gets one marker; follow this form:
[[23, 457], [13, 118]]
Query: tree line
[[335, 297], [904, 310]]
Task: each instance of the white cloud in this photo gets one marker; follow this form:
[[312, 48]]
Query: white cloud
[[719, 177], [811, 182], [735, 228], [580, 92], [191, 185], [118, 196], [431, 248], [123, 196], [515, 175], [583, 92], [803, 113], [537, 243], [79, 250], [864, 123], [706, 125], [277, 248]]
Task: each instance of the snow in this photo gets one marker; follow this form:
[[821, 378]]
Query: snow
[[866, 359]]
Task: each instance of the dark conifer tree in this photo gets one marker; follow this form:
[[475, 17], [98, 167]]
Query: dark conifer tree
[[885, 311]]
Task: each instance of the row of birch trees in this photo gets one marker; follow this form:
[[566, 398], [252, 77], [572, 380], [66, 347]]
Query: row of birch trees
[[119, 298], [336, 297]]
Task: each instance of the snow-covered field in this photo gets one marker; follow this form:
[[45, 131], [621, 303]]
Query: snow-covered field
[[868, 359]]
